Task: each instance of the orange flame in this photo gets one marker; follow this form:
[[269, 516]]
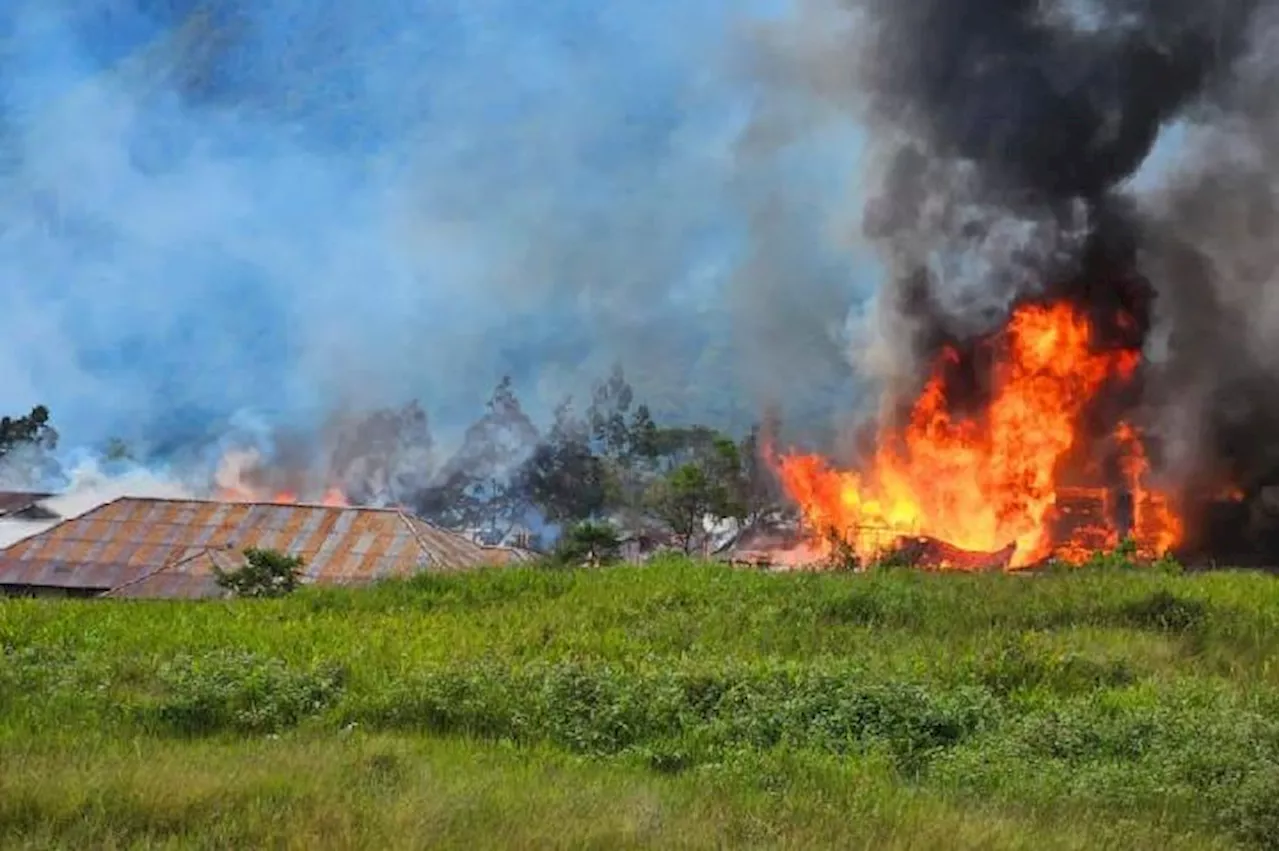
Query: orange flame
[[234, 485], [1229, 493], [331, 497], [1157, 528], [982, 483]]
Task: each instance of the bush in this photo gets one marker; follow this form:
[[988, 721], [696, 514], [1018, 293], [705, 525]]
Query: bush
[[602, 710], [265, 573], [1164, 611], [240, 692], [1025, 664], [856, 607], [1250, 810]]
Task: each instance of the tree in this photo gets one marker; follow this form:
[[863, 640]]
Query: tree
[[26, 445], [385, 456], [643, 435], [589, 543], [709, 484], [563, 478], [681, 500], [117, 450], [478, 486], [620, 436], [32, 430], [678, 445], [610, 404], [265, 573]]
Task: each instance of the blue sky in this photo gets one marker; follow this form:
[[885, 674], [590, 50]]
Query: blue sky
[[277, 209]]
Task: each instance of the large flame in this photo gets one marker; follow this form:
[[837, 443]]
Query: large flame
[[982, 482]]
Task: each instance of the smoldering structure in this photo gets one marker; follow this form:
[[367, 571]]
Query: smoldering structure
[[1008, 137], [377, 459]]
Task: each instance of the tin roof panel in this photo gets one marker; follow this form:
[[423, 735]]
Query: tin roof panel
[[131, 543], [12, 502]]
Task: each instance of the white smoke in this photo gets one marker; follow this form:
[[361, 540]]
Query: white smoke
[[91, 486]]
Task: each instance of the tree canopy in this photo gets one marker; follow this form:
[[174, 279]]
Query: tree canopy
[[30, 430], [609, 461], [26, 449]]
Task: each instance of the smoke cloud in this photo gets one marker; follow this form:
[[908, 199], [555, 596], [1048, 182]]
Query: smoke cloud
[[1212, 249], [233, 224], [90, 485], [213, 213], [1116, 152]]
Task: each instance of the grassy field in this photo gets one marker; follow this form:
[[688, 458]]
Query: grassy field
[[672, 706]]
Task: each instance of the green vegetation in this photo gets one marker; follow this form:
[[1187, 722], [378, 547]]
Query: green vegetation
[[265, 573], [608, 462], [31, 432], [674, 705], [589, 544], [31, 428]]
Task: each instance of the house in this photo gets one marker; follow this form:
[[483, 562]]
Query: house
[[22, 505], [23, 514], [135, 547], [637, 545], [518, 537]]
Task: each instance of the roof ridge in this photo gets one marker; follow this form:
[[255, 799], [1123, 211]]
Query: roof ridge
[[410, 519], [216, 501], [68, 518], [201, 551], [407, 519], [64, 519], [424, 521]]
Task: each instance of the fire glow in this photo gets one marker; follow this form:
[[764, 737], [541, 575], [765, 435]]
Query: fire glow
[[332, 497], [241, 477], [983, 481]]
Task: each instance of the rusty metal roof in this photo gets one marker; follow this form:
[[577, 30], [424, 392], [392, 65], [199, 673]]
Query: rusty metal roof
[[167, 548], [513, 555], [16, 502]]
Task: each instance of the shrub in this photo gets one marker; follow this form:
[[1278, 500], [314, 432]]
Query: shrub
[[1164, 611], [1024, 664], [676, 718], [856, 607], [265, 573], [1250, 809], [240, 692]]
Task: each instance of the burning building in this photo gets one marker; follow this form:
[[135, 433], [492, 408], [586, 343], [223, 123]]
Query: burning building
[[172, 544], [133, 547], [243, 476], [1067, 360], [1025, 461]]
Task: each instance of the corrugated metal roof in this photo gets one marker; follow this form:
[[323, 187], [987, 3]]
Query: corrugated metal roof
[[14, 502], [167, 548], [514, 555]]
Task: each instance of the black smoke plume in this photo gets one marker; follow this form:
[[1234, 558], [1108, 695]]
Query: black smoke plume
[[1007, 142]]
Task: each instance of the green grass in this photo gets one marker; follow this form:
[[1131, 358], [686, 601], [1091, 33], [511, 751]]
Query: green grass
[[675, 705]]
